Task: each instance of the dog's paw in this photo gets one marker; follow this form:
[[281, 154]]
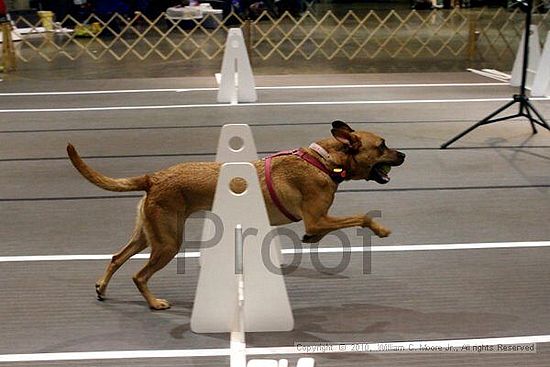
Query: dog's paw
[[381, 231], [311, 238], [160, 304], [100, 291]]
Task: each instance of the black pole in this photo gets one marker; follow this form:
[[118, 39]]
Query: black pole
[[527, 5]]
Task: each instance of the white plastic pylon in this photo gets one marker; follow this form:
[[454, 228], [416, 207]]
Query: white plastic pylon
[[541, 85], [534, 58], [266, 306], [235, 144], [237, 81]]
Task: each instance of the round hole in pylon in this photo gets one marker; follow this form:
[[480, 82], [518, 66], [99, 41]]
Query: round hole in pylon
[[238, 185], [236, 144]]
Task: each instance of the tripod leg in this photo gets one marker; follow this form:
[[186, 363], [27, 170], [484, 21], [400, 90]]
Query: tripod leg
[[542, 122], [486, 120], [445, 145], [531, 119]]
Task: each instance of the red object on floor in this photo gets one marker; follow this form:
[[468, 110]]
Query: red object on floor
[[3, 9]]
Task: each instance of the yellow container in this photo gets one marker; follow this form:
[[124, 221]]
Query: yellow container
[[46, 17], [95, 27]]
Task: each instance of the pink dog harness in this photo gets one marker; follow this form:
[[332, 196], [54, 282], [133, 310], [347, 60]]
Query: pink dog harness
[[337, 175]]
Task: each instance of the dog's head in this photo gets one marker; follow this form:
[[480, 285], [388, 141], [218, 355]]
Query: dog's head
[[364, 155]]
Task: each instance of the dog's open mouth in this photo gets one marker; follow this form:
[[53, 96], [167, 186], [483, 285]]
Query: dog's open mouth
[[379, 173]]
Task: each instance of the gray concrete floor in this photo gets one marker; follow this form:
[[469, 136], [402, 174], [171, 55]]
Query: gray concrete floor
[[493, 187]]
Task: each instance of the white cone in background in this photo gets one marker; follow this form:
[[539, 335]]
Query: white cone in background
[[541, 85], [266, 306], [237, 81], [534, 58]]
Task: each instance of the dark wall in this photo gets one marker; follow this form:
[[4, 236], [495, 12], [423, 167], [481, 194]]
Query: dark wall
[[64, 7]]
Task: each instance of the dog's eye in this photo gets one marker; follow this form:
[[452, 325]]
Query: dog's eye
[[382, 146]]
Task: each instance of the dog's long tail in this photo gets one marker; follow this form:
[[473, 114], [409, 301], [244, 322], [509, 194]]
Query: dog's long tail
[[112, 184]]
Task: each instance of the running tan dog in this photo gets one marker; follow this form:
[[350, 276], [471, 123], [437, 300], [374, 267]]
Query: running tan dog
[[297, 185]]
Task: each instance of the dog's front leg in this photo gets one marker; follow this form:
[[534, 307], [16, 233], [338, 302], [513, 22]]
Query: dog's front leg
[[317, 226]]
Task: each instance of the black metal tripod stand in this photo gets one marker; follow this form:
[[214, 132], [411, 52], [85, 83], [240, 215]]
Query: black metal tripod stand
[[526, 109]]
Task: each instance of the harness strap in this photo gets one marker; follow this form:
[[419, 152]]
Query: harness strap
[[337, 176], [271, 189]]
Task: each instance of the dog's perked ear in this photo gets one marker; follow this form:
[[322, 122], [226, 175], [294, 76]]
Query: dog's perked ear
[[341, 125], [346, 136]]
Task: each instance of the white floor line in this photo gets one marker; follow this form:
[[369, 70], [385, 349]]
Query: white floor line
[[413, 346], [113, 91], [284, 87], [404, 85], [263, 104], [126, 354], [323, 250]]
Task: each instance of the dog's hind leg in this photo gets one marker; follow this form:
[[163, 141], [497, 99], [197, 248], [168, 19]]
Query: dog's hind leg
[[157, 261], [164, 234], [137, 243]]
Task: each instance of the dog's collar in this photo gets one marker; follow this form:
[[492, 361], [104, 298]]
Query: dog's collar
[[337, 174], [320, 150]]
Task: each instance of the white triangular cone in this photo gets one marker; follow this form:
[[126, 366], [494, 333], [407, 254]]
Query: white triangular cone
[[541, 85], [236, 66], [534, 58], [235, 144], [266, 306]]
